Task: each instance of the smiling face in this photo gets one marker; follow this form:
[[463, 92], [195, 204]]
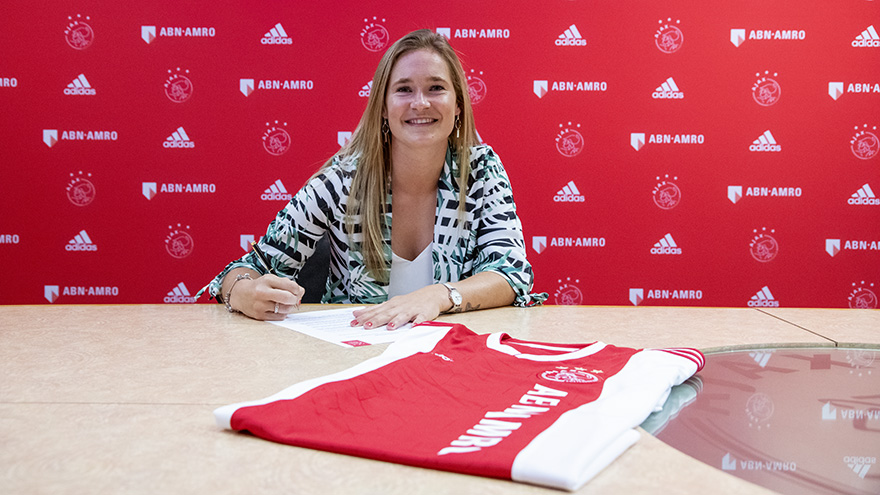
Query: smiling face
[[420, 101]]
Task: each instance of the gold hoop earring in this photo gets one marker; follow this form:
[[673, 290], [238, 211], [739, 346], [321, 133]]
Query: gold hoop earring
[[386, 131]]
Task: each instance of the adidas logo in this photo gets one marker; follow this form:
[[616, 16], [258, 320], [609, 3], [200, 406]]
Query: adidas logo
[[864, 196], [179, 295], [868, 38], [569, 194], [178, 139], [666, 245], [81, 242], [763, 299], [571, 37], [667, 90], [276, 192], [80, 86], [276, 36], [761, 358], [860, 464], [365, 91], [765, 142]]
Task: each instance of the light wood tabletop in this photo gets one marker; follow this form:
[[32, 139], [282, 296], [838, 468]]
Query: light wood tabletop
[[119, 398]]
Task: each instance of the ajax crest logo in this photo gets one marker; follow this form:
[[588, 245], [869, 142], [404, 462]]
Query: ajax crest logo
[[178, 87], [865, 144], [569, 141], [79, 34], [668, 37], [759, 410], [374, 36], [179, 243], [80, 190], [666, 194], [766, 90], [476, 88], [564, 374], [763, 246], [569, 294], [862, 297], [276, 140]]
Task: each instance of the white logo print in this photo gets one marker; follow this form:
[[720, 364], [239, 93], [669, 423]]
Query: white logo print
[[539, 243], [766, 91], [636, 296], [835, 90], [569, 193], [666, 245], [737, 37], [148, 189], [476, 87], [868, 38], [79, 34], [571, 37], [178, 139], [569, 141], [246, 86], [637, 140], [666, 194], [865, 144], [540, 88], [668, 38], [276, 36], [765, 142], [864, 196], [860, 464], [374, 36], [50, 137], [245, 241], [148, 33], [276, 191], [343, 137], [81, 242], [51, 292], [80, 86], [569, 294], [179, 295], [764, 246], [832, 247], [763, 299], [365, 91], [667, 90], [734, 193]]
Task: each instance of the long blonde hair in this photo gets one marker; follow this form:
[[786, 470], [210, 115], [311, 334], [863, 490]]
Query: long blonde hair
[[370, 185]]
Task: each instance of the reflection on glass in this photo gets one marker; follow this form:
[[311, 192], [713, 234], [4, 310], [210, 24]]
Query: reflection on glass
[[797, 421]]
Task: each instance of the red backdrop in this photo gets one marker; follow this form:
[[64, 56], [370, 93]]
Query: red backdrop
[[665, 154]]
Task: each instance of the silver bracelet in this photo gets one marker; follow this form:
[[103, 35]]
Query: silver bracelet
[[229, 293]]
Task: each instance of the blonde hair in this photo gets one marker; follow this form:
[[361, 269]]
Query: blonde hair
[[370, 185]]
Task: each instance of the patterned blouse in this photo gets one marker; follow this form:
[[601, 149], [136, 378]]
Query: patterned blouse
[[489, 238]]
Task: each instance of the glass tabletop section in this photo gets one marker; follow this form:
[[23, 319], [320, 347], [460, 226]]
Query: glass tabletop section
[[794, 420]]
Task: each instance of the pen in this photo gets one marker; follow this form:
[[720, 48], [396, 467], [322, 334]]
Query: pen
[[262, 258], [265, 262]]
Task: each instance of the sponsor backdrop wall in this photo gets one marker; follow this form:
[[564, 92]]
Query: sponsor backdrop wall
[[665, 154]]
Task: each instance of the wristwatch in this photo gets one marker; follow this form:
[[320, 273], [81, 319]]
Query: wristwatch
[[454, 298]]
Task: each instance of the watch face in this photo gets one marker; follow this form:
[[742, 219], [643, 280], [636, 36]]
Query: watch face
[[456, 297]]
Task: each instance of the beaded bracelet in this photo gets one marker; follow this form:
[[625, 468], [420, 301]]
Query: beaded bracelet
[[229, 293]]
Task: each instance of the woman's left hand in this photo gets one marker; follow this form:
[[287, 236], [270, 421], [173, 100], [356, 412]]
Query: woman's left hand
[[416, 307]]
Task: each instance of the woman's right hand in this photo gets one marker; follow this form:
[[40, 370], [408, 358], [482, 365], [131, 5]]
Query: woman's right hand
[[268, 297]]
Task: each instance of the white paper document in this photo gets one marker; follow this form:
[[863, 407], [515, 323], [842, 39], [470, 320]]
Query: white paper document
[[334, 325]]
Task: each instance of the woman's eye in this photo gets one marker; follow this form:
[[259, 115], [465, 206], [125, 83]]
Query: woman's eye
[[403, 89]]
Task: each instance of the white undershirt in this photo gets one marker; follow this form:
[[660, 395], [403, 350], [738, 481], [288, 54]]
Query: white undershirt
[[407, 276]]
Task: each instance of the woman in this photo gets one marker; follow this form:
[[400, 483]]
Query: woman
[[413, 151]]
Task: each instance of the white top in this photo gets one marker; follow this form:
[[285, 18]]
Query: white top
[[407, 276]]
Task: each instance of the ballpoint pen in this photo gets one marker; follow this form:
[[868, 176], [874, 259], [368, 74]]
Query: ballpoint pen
[[262, 257], [265, 262]]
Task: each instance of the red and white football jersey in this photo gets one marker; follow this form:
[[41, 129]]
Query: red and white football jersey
[[489, 405]]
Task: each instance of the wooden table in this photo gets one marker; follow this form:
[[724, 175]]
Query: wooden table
[[118, 398]]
